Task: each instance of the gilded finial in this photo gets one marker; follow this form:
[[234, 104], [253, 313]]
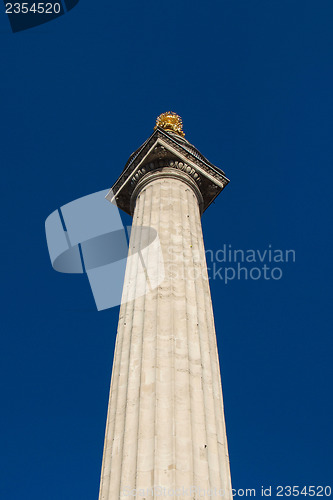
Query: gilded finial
[[170, 121]]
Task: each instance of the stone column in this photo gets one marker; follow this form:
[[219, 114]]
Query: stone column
[[165, 424]]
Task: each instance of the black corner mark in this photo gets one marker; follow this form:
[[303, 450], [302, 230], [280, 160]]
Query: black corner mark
[[24, 15]]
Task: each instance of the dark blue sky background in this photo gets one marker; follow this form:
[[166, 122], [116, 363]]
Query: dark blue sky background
[[252, 80]]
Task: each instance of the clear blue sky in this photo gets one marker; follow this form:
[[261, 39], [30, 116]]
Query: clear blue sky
[[252, 80]]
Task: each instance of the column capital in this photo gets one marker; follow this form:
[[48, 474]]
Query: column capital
[[166, 153], [172, 171]]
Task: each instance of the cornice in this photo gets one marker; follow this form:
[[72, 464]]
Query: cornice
[[165, 150]]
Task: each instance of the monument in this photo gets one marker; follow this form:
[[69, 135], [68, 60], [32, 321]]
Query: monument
[[165, 432]]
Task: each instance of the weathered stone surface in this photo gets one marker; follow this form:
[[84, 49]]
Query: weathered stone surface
[[165, 424]]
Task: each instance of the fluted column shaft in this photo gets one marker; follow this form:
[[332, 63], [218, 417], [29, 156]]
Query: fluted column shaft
[[165, 425]]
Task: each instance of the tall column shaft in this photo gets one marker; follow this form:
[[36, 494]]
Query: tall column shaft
[[165, 425]]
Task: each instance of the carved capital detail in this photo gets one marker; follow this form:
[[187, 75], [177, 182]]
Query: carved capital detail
[[156, 165], [165, 150], [166, 172]]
